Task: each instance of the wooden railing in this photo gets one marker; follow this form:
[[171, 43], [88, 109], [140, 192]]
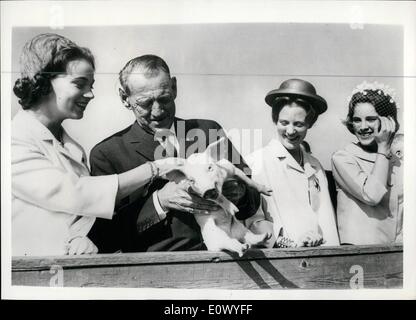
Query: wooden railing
[[341, 267]]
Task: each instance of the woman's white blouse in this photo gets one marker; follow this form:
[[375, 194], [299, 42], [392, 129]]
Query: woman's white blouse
[[368, 211], [53, 197], [300, 200]]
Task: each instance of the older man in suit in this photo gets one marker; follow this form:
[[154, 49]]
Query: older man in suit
[[161, 217]]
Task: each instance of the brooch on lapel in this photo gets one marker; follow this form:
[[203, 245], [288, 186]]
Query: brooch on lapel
[[316, 183]]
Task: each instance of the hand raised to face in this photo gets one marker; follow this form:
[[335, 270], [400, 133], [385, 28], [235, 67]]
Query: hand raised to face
[[386, 132]]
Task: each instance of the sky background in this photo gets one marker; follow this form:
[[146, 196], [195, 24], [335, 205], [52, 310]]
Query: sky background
[[224, 72]]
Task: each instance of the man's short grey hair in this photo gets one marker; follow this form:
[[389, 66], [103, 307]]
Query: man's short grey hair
[[150, 65]]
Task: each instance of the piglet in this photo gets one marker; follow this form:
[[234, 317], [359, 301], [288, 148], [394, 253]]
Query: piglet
[[205, 174]]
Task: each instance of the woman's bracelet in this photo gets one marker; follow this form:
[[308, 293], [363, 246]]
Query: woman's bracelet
[[387, 157], [155, 173]]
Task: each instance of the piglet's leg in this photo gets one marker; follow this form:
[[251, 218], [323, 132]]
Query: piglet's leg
[[240, 232], [232, 170], [217, 239], [256, 239]]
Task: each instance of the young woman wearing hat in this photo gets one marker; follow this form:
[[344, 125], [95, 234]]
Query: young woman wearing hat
[[369, 180], [300, 206], [54, 200]]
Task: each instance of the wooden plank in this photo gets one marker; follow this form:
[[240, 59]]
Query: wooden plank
[[329, 268], [43, 263]]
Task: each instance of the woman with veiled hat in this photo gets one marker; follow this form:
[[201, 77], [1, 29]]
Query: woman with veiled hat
[[369, 178], [300, 207]]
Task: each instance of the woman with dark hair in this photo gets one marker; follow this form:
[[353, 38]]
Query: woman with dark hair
[[369, 180], [54, 200], [300, 206]]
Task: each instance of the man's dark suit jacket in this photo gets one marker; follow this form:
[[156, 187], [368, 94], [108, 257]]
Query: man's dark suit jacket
[[136, 226]]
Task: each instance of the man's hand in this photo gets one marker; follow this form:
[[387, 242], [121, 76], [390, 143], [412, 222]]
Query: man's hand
[[175, 196], [234, 190], [233, 171]]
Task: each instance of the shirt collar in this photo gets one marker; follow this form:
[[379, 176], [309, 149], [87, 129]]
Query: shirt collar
[[171, 130], [75, 150], [359, 152], [165, 132], [27, 121], [310, 167], [279, 151]]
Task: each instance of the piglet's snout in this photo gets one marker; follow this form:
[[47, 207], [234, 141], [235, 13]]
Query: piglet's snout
[[211, 194]]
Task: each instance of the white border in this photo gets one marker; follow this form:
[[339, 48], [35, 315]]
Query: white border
[[31, 13]]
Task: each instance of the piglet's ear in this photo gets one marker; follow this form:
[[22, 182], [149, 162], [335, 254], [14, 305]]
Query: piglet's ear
[[176, 175], [218, 150]]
